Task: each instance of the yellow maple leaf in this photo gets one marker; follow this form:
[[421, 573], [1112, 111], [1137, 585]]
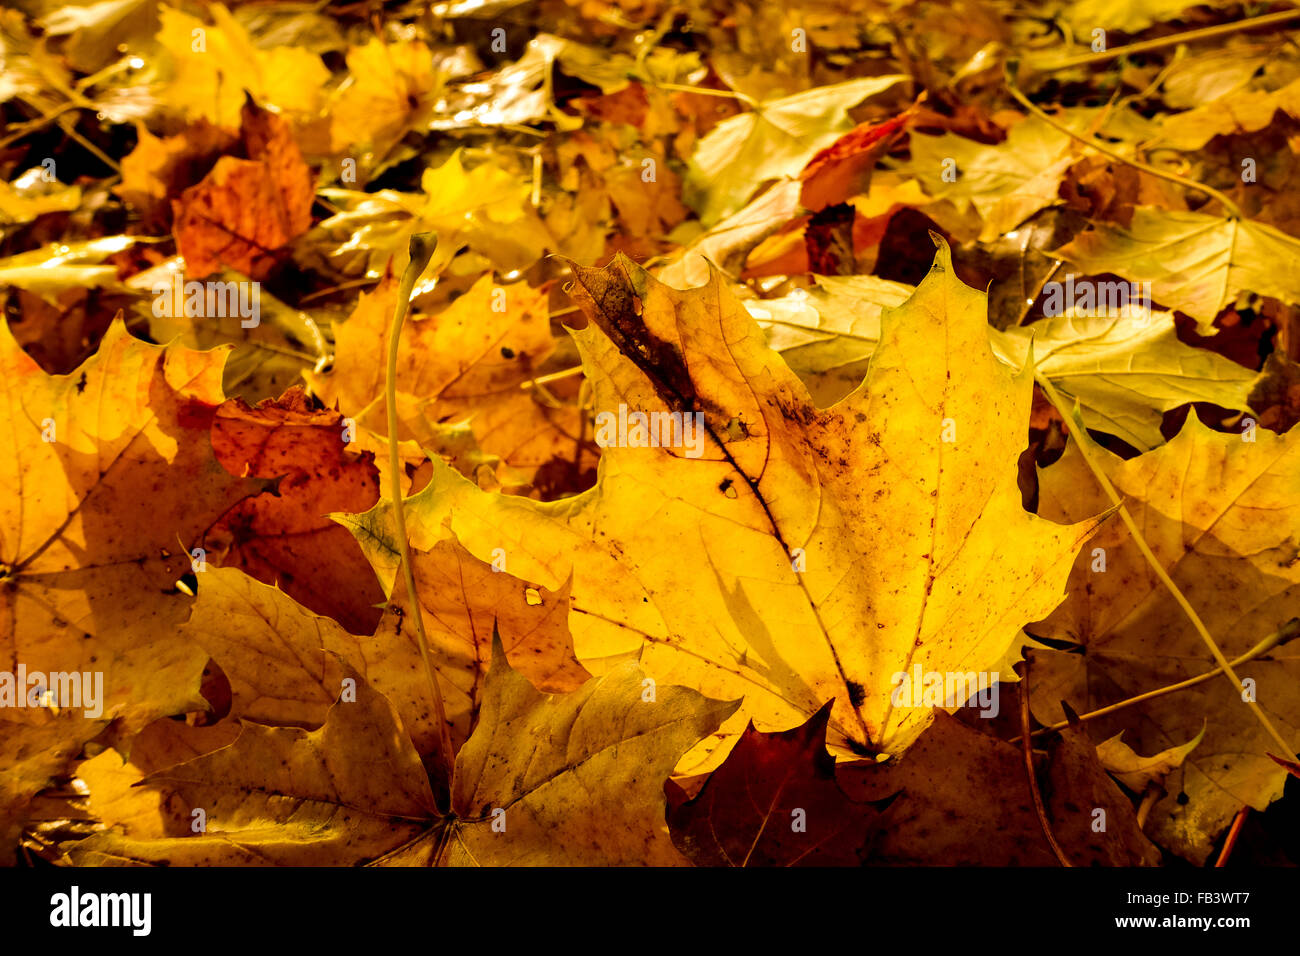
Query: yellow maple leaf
[[349, 791], [110, 481], [775, 551], [389, 87], [285, 664], [215, 64], [594, 794]]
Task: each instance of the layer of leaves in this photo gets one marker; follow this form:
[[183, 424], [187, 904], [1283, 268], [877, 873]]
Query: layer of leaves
[[731, 209]]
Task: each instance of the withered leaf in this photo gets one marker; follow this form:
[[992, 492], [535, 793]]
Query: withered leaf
[[245, 210]]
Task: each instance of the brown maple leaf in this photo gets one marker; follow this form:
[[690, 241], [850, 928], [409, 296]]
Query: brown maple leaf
[[774, 802], [245, 210], [288, 539]]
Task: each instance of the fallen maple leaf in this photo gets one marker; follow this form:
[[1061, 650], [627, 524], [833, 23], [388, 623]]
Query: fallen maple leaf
[[60, 266], [1244, 111], [1089, 813], [279, 796], [774, 802], [843, 169], [827, 332], [1006, 183], [245, 210], [1125, 370], [470, 365], [283, 662], [732, 577], [593, 793], [161, 167], [1195, 262], [111, 777], [575, 779], [390, 89], [838, 539], [1218, 514], [212, 65], [287, 538], [933, 821], [484, 205], [1138, 772], [110, 484], [775, 140], [30, 196]]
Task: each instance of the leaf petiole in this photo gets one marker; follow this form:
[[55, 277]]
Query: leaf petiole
[[421, 251]]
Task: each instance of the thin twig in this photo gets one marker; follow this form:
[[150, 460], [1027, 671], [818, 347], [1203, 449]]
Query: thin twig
[[1233, 211], [1187, 36], [1086, 447], [322, 293], [705, 91], [65, 123], [1283, 634], [30, 126]]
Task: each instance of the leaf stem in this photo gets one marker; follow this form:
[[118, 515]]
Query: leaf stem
[[421, 251], [1028, 749], [1029, 303], [1150, 796], [65, 123], [552, 377], [1234, 212], [1285, 633], [1231, 840], [706, 91], [1187, 36], [1086, 448]]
